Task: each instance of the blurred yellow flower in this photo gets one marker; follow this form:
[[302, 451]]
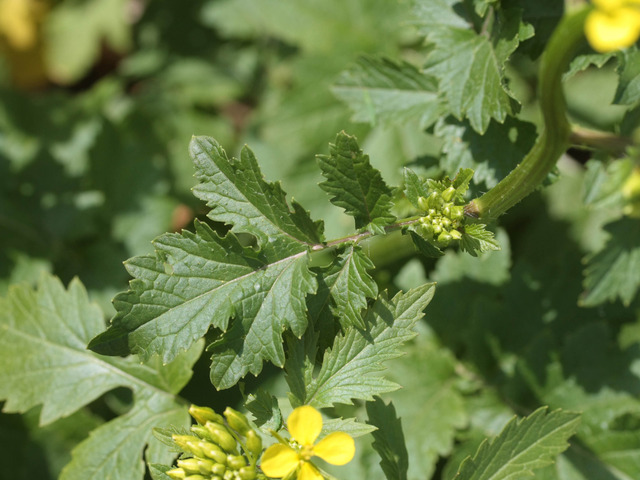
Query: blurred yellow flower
[[613, 24], [305, 424], [19, 22]]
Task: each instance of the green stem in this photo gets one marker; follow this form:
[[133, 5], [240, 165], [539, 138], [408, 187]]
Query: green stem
[[607, 141], [357, 237], [554, 139]]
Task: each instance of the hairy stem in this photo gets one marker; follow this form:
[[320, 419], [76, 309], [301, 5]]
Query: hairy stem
[[554, 139], [362, 235]]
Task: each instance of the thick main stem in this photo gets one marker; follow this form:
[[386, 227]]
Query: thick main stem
[[554, 139]]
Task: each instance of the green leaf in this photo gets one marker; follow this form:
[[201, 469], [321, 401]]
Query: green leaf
[[44, 361], [265, 410], [628, 91], [426, 248], [603, 182], [544, 16], [350, 369], [523, 445], [379, 90], [614, 271], [75, 33], [197, 280], [346, 425], [158, 472], [491, 155], [414, 186], [492, 267], [582, 62], [388, 439], [238, 196], [431, 404], [351, 285], [476, 239], [355, 185], [470, 65]]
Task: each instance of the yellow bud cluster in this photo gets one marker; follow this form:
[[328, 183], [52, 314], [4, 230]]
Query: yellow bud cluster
[[443, 218], [221, 447]]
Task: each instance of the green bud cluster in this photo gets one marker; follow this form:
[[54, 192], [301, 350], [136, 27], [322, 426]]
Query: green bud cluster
[[443, 220], [221, 447]]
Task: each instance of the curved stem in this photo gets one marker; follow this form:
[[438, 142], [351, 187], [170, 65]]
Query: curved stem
[[554, 139]]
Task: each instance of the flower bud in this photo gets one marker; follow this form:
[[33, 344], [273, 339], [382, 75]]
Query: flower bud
[[237, 421], [247, 473], [434, 200], [236, 462], [254, 443], [437, 229], [188, 443], [444, 238], [423, 203], [200, 431], [455, 234], [189, 465], [456, 212], [221, 436], [218, 469], [176, 473], [448, 194], [203, 415], [214, 452], [229, 475], [426, 230], [195, 477]]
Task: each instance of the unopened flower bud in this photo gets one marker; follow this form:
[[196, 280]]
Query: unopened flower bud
[[423, 203], [434, 200], [247, 473], [221, 436], [437, 229], [196, 465], [203, 415], [444, 238], [455, 234], [236, 462], [200, 431], [214, 452], [176, 473], [195, 477], [254, 442], [237, 421], [218, 469], [446, 223], [188, 443], [229, 475], [448, 194], [456, 212]]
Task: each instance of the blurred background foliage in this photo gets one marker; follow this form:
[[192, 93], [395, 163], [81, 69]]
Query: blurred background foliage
[[98, 102]]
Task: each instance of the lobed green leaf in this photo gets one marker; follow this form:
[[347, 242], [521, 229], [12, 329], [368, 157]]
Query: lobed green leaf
[[523, 446], [355, 185]]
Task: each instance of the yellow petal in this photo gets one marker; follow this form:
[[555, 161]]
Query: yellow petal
[[309, 472], [336, 448], [614, 30], [279, 460], [608, 5], [305, 424]]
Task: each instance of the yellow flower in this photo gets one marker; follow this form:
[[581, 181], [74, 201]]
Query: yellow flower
[[19, 21], [305, 424], [613, 24]]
